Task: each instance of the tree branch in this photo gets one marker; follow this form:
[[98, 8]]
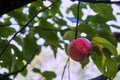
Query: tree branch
[[100, 1], [2, 77], [100, 77], [9, 5]]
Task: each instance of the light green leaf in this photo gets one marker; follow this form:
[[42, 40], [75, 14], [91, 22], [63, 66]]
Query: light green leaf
[[103, 43], [102, 54], [69, 35]]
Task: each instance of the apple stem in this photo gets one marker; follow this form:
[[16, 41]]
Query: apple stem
[[78, 10]]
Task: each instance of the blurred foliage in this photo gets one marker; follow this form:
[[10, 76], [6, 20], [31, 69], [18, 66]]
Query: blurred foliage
[[51, 22]]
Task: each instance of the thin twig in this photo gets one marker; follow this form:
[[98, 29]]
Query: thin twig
[[25, 27], [64, 69], [76, 30], [69, 69], [23, 68], [101, 1]]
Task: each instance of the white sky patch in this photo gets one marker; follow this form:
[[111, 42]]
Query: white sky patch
[[2, 70], [87, 11], [115, 0], [26, 10], [46, 3], [40, 41], [1, 61], [64, 27], [40, 14], [36, 24], [114, 29], [36, 36], [65, 6], [2, 18], [56, 25], [16, 58], [50, 21], [16, 44], [15, 26], [83, 34], [12, 51]]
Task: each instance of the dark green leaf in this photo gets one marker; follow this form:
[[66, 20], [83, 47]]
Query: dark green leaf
[[84, 63], [24, 72], [29, 46], [49, 75], [6, 31], [18, 16], [48, 32], [36, 70]]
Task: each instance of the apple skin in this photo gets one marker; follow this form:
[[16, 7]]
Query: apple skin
[[79, 49]]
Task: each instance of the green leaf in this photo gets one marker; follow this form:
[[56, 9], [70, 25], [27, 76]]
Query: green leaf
[[32, 11], [103, 43], [29, 46], [73, 8], [97, 19], [24, 72], [97, 58], [55, 9], [59, 21], [105, 10], [48, 32], [102, 54], [84, 63], [6, 31], [36, 70], [104, 62], [18, 16], [69, 35], [49, 75]]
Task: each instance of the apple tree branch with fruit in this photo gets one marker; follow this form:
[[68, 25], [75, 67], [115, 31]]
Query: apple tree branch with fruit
[[51, 22]]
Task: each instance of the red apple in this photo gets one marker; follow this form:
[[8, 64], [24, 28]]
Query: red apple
[[79, 49]]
